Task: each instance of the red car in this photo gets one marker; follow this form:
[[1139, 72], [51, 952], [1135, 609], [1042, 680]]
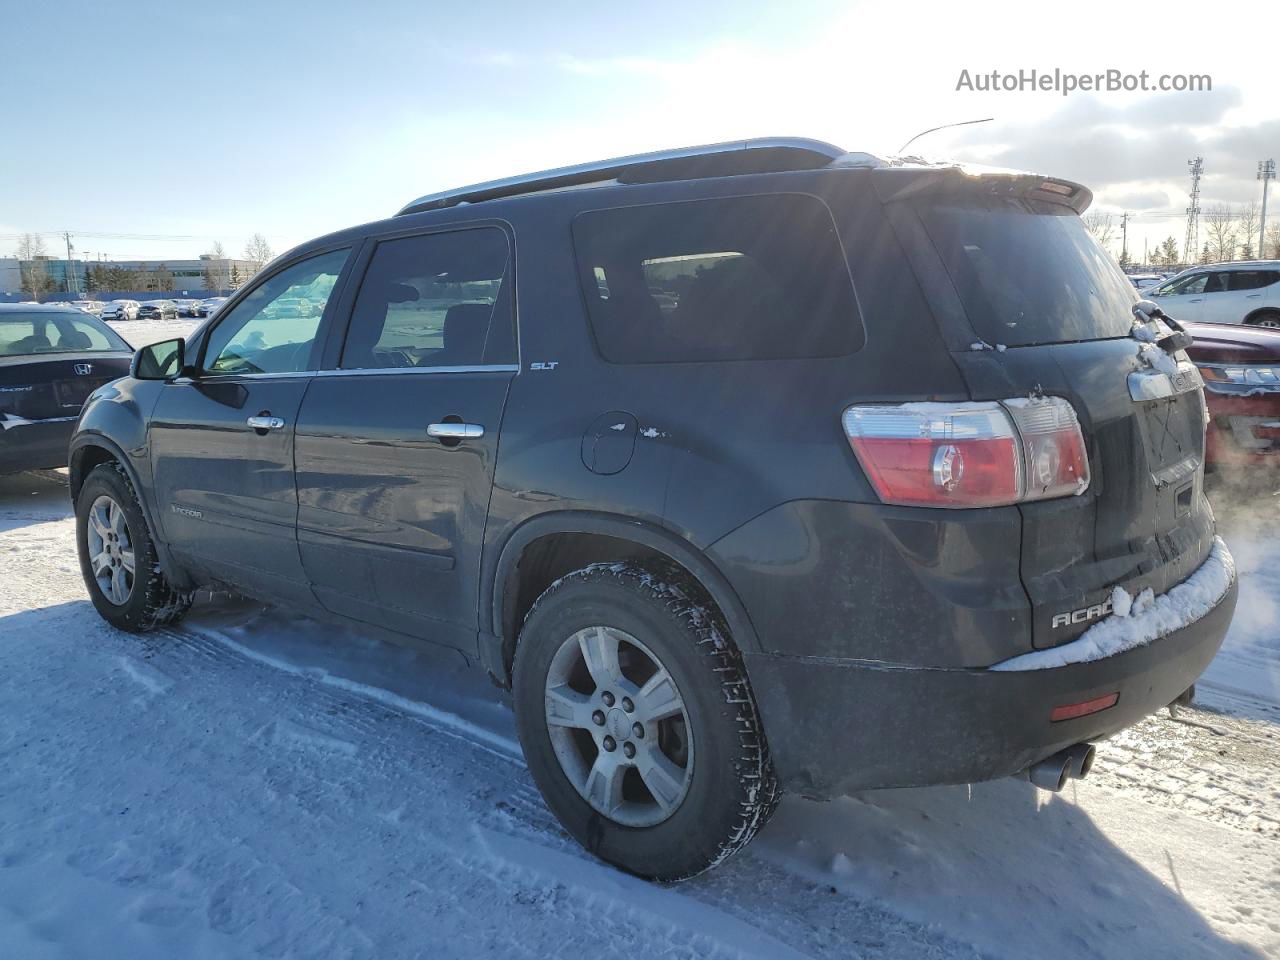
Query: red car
[[1241, 369]]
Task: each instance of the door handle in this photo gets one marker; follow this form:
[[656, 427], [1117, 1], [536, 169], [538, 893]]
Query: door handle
[[1196, 300], [455, 431], [265, 423], [1253, 296]]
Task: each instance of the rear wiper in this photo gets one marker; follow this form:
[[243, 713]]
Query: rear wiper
[[1176, 339]]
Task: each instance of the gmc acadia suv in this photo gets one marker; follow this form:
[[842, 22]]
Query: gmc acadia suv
[[750, 467]]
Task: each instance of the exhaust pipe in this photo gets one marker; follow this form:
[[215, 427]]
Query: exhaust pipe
[[1052, 773]]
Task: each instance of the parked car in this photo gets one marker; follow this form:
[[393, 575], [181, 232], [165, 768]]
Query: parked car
[[1141, 281], [51, 358], [1241, 370], [187, 308], [291, 307], [209, 306], [121, 310], [89, 306], [158, 310], [777, 536], [1241, 292]]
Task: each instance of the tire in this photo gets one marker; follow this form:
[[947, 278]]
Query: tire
[[714, 745], [137, 600], [1267, 318]]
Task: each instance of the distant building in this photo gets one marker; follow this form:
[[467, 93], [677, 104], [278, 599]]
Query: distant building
[[10, 275], [173, 276]]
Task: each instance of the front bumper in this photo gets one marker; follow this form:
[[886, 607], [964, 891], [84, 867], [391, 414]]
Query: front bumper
[[837, 725], [36, 444]]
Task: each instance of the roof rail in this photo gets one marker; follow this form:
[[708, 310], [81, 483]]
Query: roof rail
[[765, 154]]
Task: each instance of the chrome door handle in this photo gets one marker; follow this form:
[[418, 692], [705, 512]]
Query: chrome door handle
[[265, 423], [1196, 300], [455, 431]]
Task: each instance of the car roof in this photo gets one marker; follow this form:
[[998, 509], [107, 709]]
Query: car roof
[[45, 307]]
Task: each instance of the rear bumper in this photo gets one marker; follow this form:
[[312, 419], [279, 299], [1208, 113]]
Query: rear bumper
[[34, 445], [837, 725], [1239, 433]]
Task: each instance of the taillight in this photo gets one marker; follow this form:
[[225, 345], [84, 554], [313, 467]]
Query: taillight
[[973, 454]]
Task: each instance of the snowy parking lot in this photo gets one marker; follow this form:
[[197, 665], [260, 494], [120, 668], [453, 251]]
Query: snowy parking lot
[[256, 784]]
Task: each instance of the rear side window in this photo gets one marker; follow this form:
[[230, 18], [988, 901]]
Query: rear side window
[[1251, 279], [1028, 272], [436, 300], [739, 278], [44, 331]]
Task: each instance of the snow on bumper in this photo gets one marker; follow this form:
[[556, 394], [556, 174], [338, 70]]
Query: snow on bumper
[[1138, 621]]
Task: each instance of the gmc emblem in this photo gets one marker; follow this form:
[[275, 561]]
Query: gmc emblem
[[84, 369]]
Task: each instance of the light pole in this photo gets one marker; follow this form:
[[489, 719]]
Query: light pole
[[1266, 172]]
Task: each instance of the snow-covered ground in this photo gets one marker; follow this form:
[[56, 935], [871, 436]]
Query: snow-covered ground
[[254, 784], [140, 333]]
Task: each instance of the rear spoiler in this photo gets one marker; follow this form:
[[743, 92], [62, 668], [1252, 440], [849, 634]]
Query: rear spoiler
[[900, 183]]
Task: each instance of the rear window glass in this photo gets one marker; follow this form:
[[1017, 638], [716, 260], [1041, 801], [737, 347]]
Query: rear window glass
[[740, 278], [22, 334], [1028, 272]]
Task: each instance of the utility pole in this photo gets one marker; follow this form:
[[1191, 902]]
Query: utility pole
[[73, 282], [1266, 173], [1124, 237], [1191, 246]]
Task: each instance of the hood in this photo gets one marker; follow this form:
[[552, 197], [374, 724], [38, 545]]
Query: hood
[[1232, 343]]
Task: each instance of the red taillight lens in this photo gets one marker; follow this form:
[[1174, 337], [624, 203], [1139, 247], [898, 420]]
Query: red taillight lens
[[937, 454], [976, 454], [1055, 463]]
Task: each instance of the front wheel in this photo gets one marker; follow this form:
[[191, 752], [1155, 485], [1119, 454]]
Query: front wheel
[[638, 722], [118, 558], [1268, 318]]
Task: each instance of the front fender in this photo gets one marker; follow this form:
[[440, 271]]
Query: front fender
[[113, 422]]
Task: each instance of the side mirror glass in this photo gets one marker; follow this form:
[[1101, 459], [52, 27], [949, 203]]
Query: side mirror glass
[[159, 361]]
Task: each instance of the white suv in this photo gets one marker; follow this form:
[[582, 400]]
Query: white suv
[[1244, 292]]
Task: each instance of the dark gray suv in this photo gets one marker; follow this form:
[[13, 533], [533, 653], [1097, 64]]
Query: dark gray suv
[[745, 467]]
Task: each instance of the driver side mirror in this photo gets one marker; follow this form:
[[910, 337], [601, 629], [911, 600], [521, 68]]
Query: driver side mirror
[[159, 361]]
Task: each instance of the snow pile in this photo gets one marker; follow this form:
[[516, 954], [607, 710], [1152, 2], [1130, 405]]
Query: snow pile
[[1135, 622]]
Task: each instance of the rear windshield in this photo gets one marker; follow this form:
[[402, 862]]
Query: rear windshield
[[1028, 272], [737, 278], [22, 334]]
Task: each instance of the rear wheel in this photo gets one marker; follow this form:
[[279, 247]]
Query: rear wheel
[[1268, 318], [118, 557], [638, 722]]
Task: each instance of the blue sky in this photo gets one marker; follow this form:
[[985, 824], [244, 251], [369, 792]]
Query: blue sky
[[216, 120]]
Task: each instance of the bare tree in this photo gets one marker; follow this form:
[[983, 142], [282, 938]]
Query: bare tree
[[1247, 220], [257, 251], [1221, 223], [1101, 226], [216, 274], [1273, 242], [33, 271]]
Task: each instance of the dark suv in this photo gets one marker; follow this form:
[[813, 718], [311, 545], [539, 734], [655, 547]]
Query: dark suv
[[745, 467]]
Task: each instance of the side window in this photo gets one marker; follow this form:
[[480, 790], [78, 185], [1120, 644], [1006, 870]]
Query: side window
[[1250, 279], [738, 278], [273, 329], [1187, 285], [435, 300], [1217, 283]]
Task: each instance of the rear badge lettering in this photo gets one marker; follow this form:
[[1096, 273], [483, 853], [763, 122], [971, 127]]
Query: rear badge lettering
[[1083, 615], [547, 365]]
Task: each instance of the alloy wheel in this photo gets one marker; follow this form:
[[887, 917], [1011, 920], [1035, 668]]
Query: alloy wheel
[[111, 553], [619, 726]]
